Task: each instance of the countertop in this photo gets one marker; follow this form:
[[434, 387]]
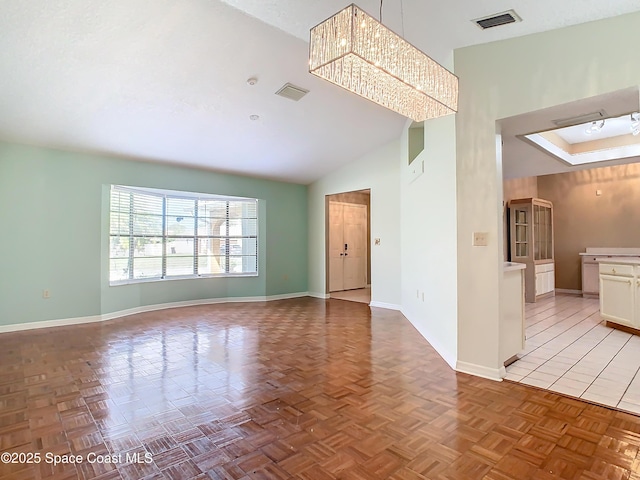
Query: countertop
[[610, 254], [512, 266], [612, 251], [619, 260]]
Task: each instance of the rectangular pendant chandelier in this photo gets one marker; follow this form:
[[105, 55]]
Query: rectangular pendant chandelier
[[355, 51]]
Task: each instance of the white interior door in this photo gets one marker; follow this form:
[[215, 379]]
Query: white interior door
[[355, 242], [336, 247], [347, 246]]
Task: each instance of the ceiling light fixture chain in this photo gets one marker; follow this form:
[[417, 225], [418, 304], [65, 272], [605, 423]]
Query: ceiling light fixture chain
[[401, 15]]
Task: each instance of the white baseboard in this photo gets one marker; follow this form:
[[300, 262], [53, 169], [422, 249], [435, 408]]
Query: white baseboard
[[567, 290], [480, 371], [388, 306], [63, 322], [323, 296], [16, 327], [284, 296]]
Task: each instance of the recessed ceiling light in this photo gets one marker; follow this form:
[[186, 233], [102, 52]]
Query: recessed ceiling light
[[254, 117]]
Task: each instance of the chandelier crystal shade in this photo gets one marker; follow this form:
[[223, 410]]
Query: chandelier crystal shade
[[355, 51]]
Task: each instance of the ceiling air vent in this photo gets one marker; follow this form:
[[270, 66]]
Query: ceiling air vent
[[292, 92], [580, 119], [497, 19]]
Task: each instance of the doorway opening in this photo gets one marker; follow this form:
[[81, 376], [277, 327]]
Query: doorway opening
[[569, 344], [348, 237]]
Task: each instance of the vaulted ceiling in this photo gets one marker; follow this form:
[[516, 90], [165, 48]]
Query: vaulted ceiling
[[166, 80]]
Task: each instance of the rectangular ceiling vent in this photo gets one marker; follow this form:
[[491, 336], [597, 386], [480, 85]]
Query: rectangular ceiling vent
[[497, 19], [292, 92], [580, 119]]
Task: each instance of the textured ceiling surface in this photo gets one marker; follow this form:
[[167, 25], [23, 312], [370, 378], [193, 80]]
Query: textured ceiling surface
[[165, 80]]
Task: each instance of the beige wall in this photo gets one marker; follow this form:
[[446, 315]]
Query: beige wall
[[511, 189], [583, 219], [520, 188]]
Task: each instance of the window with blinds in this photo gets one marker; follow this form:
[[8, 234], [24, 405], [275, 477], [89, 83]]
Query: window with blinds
[[156, 235]]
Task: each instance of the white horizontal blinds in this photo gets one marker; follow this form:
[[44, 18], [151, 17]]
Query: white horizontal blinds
[[243, 239], [147, 225], [212, 237], [119, 236], [227, 236], [136, 235], [164, 235], [181, 244]]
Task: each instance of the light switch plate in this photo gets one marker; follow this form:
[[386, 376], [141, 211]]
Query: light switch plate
[[416, 169], [480, 239]]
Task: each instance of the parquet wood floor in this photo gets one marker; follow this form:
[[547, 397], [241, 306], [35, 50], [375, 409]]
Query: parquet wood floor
[[302, 388]]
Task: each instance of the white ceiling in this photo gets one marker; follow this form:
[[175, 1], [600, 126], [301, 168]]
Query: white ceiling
[[165, 80]]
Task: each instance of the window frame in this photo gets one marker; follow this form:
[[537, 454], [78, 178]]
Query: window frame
[[166, 196]]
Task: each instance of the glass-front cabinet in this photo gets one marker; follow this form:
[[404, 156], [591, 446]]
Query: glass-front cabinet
[[521, 228], [531, 243], [543, 241]]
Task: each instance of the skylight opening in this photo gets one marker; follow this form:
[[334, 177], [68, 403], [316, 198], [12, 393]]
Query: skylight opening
[[591, 142]]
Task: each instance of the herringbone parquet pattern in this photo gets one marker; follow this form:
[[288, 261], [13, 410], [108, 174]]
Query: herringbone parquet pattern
[[301, 388]]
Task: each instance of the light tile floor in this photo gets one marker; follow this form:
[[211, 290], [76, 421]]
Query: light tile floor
[[569, 350]]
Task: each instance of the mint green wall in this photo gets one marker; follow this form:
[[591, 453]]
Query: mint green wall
[[54, 225]]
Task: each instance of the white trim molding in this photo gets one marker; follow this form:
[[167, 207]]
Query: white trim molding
[[480, 371], [323, 296], [388, 306], [63, 322], [17, 327], [569, 291]]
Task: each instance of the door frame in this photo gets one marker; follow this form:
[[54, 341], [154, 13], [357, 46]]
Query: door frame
[[340, 197]]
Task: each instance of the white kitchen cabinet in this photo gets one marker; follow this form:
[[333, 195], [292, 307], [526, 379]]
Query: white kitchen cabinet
[[590, 260], [620, 291], [545, 279], [590, 276], [512, 319], [531, 243]]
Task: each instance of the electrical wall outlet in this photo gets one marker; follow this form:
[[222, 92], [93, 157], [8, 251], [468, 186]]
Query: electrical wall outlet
[[46, 293]]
